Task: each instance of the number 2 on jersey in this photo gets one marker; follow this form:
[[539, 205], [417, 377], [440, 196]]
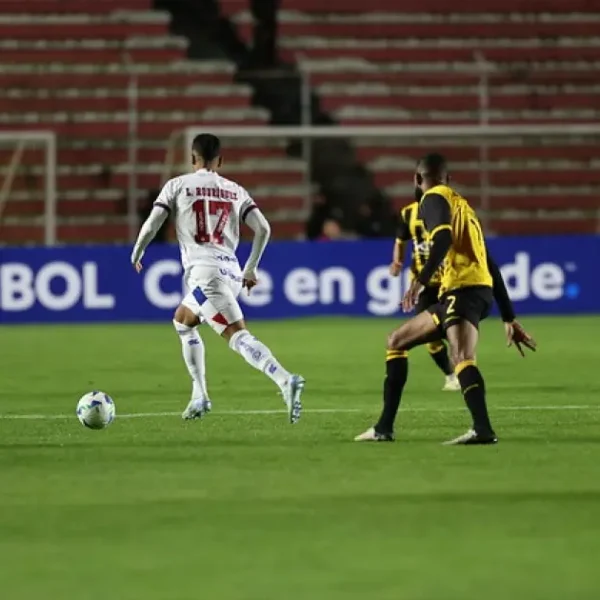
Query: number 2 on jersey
[[215, 207], [451, 303]]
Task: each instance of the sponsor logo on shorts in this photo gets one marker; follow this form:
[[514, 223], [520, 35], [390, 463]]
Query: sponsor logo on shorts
[[230, 274], [225, 258]]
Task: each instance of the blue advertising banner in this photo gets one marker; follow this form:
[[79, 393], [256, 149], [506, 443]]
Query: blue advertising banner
[[545, 275]]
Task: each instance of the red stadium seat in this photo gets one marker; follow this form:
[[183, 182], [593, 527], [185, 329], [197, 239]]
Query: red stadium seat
[[81, 94], [429, 6], [92, 55], [536, 226], [415, 63], [471, 33], [57, 31], [70, 7], [114, 78], [407, 63]]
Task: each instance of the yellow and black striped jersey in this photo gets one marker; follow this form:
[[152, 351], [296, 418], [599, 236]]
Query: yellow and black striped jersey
[[466, 263], [412, 228]]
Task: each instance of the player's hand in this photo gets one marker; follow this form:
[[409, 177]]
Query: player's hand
[[412, 296], [395, 268], [516, 336], [138, 266], [249, 280]]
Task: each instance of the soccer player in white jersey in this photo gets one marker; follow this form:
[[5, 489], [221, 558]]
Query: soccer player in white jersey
[[208, 210]]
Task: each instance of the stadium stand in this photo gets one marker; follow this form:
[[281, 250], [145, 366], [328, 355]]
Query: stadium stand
[[415, 62], [64, 67]]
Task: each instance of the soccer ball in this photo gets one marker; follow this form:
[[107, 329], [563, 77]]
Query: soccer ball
[[96, 410]]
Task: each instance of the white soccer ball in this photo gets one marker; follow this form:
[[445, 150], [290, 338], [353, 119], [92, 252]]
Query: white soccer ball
[[96, 410]]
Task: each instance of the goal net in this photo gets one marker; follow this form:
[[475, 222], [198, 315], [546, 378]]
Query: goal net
[[28, 187]]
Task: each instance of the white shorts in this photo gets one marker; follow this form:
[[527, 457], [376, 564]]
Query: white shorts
[[212, 294]]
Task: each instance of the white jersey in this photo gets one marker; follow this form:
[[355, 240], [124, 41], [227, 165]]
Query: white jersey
[[208, 210]]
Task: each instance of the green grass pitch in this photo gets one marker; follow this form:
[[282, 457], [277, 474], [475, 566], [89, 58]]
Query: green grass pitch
[[243, 506]]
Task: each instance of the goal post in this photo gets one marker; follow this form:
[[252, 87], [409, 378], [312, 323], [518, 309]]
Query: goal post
[[569, 146], [409, 132], [15, 145]]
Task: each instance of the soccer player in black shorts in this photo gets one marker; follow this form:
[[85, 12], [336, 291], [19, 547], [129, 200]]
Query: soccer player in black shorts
[[470, 281], [411, 228]]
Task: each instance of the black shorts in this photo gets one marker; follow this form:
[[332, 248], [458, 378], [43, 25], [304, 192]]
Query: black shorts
[[428, 297], [472, 304]]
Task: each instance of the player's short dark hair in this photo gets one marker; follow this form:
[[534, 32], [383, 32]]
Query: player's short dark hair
[[432, 166], [207, 146]]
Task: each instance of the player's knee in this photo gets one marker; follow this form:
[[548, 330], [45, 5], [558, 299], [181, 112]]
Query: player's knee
[[396, 340], [232, 329], [458, 356], [185, 316]]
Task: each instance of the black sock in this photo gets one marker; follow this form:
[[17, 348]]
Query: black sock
[[396, 374], [439, 353], [473, 389]]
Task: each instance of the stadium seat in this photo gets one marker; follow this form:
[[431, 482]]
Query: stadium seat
[[67, 66], [420, 62], [69, 7]]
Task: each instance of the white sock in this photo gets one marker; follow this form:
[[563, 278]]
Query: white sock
[[259, 356], [192, 348]]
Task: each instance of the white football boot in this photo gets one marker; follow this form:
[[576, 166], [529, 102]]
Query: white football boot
[[292, 396], [451, 384], [198, 406], [472, 438], [370, 435], [196, 409]]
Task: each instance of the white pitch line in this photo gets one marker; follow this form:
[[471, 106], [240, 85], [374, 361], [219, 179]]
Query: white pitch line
[[149, 415]]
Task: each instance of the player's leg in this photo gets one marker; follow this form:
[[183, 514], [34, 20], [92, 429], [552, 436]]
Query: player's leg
[[259, 356], [463, 334], [421, 329], [254, 352], [217, 301], [440, 356], [438, 350], [186, 322]]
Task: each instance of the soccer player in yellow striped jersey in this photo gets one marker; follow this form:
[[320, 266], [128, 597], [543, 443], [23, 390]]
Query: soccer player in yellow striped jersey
[[470, 280], [412, 229]]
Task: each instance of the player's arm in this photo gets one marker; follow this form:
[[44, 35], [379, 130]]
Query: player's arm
[[501, 296], [262, 232], [402, 236], [435, 212], [515, 333], [159, 214]]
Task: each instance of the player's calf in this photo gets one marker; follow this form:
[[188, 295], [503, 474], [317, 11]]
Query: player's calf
[[396, 369], [463, 338], [413, 332], [255, 353], [192, 348], [439, 354], [259, 356]]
